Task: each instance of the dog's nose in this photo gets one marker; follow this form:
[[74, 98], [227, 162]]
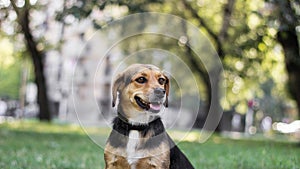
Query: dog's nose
[[159, 92]]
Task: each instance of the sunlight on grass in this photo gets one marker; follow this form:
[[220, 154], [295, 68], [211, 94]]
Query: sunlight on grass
[[192, 136], [199, 136], [43, 127]]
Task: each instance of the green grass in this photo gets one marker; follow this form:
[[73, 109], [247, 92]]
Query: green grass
[[42, 145]]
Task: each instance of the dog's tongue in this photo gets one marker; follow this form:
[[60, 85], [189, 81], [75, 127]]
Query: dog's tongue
[[155, 106]]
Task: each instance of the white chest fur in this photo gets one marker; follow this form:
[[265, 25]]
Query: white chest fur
[[131, 148]]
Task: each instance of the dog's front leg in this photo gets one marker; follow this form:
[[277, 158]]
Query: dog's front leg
[[115, 162]]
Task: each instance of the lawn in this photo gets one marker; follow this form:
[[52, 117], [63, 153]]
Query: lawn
[[37, 145]]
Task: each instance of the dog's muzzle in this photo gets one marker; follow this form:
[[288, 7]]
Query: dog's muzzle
[[159, 93], [155, 101]]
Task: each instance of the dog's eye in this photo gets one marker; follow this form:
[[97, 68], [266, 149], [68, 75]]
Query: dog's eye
[[141, 80], [161, 81]]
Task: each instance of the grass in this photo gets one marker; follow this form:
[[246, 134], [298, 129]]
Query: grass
[[43, 145]]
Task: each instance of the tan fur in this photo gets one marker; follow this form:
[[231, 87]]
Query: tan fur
[[156, 158], [115, 158], [125, 84]]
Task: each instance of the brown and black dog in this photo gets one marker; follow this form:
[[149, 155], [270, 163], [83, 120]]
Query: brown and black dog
[[139, 139]]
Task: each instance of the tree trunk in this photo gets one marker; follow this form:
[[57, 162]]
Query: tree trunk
[[212, 82], [36, 56], [203, 74], [287, 37], [289, 41]]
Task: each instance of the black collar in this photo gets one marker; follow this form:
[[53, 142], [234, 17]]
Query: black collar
[[122, 122], [121, 130], [122, 126], [128, 126]]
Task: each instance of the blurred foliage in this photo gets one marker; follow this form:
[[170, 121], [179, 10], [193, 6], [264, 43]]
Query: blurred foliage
[[249, 50], [14, 57], [81, 9], [10, 70], [12, 65], [252, 57], [284, 16]]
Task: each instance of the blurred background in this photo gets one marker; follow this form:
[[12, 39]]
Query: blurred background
[[43, 41], [57, 61]]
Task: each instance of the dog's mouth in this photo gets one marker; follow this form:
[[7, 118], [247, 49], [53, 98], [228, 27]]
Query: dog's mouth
[[150, 106]]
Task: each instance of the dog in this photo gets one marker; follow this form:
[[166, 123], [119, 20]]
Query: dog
[[138, 139]]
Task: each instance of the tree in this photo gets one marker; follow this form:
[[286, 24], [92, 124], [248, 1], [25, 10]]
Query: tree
[[242, 40], [23, 20], [286, 14], [237, 29], [246, 45], [219, 39]]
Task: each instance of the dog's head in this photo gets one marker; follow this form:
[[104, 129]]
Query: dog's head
[[143, 90]]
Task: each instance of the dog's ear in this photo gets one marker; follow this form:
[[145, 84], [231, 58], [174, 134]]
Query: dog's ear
[[167, 88], [118, 84]]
